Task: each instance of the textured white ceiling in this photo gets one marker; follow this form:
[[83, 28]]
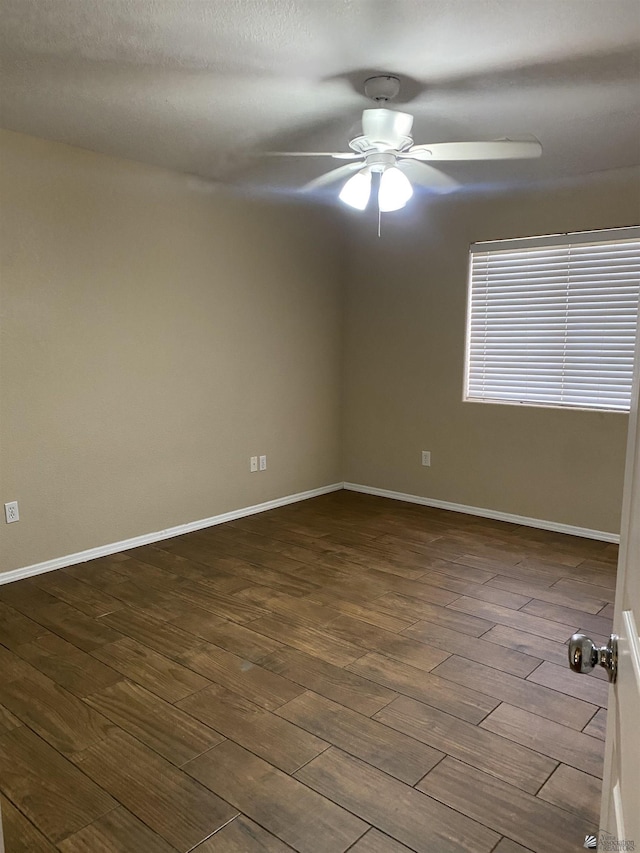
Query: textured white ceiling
[[203, 86]]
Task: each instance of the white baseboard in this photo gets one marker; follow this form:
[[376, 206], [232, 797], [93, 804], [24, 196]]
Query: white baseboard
[[157, 536], [585, 532]]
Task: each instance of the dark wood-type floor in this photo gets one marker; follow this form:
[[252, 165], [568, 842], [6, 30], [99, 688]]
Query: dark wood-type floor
[[347, 673]]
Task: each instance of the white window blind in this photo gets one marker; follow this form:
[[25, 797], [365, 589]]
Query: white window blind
[[552, 320]]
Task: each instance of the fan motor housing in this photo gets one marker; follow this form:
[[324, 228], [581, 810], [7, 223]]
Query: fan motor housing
[[362, 145]]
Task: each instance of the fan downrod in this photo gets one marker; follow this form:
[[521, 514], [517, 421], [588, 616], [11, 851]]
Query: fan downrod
[[382, 88]]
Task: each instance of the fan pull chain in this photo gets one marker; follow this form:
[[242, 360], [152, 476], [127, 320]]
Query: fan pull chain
[[379, 218]]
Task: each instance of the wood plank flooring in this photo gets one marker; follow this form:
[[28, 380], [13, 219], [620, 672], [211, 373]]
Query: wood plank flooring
[[348, 673]]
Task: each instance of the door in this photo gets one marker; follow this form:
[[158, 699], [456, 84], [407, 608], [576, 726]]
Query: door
[[620, 811]]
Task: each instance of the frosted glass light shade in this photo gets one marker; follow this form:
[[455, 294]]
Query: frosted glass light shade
[[357, 190], [395, 190]]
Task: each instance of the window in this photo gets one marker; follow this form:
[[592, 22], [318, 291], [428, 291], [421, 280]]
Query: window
[[552, 320]]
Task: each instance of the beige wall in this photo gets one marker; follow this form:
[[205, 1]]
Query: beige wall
[[154, 336], [405, 329]]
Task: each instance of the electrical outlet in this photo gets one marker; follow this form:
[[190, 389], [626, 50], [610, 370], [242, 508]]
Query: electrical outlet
[[11, 512], [426, 458], [263, 463], [253, 464]]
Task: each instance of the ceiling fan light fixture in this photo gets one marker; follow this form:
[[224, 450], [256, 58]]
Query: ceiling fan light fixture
[[395, 190], [357, 190]]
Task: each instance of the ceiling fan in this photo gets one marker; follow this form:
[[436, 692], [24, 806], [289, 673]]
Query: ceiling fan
[[385, 148]]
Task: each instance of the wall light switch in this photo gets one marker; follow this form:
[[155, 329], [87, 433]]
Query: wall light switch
[[253, 464], [263, 463], [426, 458]]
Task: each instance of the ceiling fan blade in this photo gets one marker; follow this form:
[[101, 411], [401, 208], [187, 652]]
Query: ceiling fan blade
[[334, 175], [427, 176], [337, 155], [502, 149], [386, 127]]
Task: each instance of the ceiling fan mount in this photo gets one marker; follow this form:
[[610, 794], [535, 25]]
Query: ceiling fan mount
[[382, 88]]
